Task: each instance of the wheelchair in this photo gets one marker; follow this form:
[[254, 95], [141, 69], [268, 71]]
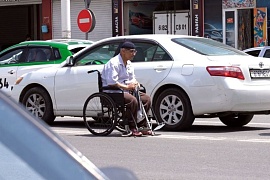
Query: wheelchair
[[104, 111]]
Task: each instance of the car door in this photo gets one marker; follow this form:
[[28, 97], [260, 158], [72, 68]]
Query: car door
[[152, 64], [9, 62], [73, 84]]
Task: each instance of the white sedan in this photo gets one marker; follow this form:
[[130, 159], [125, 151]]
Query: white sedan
[[187, 77]]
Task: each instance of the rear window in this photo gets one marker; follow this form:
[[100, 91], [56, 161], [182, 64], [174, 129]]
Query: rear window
[[56, 53], [267, 53], [207, 47], [254, 53]]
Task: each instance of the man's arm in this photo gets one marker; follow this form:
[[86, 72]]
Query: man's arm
[[129, 87]]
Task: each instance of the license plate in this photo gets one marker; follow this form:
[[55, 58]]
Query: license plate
[[259, 73]]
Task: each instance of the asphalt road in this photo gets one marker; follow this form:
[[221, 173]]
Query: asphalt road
[[208, 150]]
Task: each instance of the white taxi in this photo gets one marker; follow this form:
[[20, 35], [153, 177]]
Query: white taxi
[[32, 55]]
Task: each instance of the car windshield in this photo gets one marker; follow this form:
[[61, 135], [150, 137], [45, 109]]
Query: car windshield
[[207, 47]]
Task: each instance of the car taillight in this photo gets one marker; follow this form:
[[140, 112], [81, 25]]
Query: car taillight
[[226, 71]]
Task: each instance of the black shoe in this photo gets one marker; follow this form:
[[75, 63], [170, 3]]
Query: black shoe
[[127, 134]]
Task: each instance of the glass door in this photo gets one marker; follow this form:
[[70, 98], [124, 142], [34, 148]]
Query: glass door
[[229, 28]]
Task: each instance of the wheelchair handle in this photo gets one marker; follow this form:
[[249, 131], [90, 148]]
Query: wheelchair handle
[[99, 78], [91, 71]]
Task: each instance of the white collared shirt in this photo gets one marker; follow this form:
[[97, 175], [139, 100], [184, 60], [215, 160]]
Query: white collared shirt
[[114, 72]]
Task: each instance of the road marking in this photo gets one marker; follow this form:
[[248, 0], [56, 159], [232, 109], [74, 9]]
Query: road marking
[[256, 140], [190, 137], [60, 131], [209, 138], [184, 137]]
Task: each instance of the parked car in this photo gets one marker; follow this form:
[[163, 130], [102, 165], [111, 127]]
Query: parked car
[[31, 150], [72, 41], [187, 77], [32, 55], [259, 51], [141, 20]]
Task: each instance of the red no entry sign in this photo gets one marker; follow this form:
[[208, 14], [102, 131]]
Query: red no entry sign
[[86, 20]]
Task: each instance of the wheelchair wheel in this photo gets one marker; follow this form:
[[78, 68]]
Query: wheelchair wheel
[[119, 125], [99, 114]]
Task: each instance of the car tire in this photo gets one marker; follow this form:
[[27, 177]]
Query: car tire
[[236, 120], [38, 102], [174, 109]]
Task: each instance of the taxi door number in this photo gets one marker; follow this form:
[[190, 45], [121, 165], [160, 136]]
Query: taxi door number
[[3, 83]]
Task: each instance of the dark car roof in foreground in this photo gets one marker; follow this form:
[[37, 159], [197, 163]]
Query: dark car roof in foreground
[[47, 153], [28, 145]]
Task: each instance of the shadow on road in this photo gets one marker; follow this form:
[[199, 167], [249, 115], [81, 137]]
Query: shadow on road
[[193, 129], [264, 134]]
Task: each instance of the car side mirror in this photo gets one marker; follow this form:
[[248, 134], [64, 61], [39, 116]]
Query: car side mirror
[[69, 61]]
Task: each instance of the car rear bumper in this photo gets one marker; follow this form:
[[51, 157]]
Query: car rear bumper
[[252, 99]]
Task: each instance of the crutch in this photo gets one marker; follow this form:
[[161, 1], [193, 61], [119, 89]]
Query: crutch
[[149, 123]]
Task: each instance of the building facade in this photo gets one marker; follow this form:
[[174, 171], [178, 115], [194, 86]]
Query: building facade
[[226, 21]]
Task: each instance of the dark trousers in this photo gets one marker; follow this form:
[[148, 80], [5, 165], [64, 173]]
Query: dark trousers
[[133, 105]]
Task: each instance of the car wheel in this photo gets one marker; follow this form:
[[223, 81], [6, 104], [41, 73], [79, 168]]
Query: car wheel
[[173, 108], [236, 120], [38, 102]]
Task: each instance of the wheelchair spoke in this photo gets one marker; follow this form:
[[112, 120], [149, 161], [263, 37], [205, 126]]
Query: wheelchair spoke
[[99, 114]]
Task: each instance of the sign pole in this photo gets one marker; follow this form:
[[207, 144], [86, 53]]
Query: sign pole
[[87, 4]]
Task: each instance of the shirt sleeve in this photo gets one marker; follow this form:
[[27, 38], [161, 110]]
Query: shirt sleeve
[[110, 74], [131, 73]]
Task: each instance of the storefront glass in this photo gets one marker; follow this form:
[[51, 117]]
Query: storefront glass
[[138, 16]]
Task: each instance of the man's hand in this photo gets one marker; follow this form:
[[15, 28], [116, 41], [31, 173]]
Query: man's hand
[[131, 86]]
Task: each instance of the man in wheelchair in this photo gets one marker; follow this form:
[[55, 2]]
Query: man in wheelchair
[[119, 72]]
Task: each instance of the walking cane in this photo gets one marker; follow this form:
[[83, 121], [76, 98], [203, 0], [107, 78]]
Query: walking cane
[[141, 107]]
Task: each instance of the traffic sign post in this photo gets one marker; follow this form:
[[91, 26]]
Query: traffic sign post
[[87, 3], [86, 21]]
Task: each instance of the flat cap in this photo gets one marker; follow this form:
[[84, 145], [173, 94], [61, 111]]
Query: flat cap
[[128, 45]]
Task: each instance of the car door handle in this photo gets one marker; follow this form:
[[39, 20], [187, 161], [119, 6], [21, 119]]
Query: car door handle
[[160, 67], [11, 72]]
